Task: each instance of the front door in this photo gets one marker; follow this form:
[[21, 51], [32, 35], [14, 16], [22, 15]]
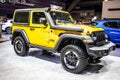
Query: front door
[[39, 33]]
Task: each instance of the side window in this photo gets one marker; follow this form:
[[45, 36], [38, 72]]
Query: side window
[[21, 17], [119, 24], [106, 24], [111, 24], [36, 17]]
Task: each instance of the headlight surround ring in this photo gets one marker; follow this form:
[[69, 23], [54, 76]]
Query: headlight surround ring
[[93, 36]]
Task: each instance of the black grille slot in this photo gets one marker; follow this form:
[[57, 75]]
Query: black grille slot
[[100, 38]]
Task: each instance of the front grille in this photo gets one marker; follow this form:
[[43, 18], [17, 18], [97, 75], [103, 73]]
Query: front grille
[[100, 38]]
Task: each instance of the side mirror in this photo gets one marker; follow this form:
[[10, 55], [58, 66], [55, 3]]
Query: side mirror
[[43, 21], [10, 21]]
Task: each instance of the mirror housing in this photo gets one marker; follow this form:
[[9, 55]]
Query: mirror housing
[[11, 21], [43, 21]]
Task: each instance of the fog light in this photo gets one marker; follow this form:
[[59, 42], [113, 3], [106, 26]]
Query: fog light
[[106, 40], [105, 54]]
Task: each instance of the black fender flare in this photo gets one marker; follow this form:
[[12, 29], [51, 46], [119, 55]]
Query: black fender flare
[[73, 36], [20, 33]]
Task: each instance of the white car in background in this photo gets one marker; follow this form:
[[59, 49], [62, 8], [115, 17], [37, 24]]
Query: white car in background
[[6, 27]]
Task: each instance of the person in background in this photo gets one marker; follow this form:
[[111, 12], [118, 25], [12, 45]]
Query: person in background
[[0, 27]]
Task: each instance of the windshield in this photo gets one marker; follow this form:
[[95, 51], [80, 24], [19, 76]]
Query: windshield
[[60, 17]]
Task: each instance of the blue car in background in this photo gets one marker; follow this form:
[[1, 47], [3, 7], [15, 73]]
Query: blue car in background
[[112, 29]]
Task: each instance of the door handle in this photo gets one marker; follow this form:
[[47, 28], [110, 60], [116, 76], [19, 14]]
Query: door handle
[[32, 29]]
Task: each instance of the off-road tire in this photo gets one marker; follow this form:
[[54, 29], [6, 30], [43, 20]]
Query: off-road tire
[[82, 62], [20, 46], [8, 30]]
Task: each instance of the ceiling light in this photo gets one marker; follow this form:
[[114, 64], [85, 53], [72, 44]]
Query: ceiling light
[[105, 0]]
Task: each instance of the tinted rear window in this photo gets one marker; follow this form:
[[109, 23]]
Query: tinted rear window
[[21, 17]]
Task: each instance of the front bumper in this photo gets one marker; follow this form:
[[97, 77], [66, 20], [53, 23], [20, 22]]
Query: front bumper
[[99, 51]]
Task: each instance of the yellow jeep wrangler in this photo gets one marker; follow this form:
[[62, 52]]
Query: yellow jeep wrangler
[[55, 30]]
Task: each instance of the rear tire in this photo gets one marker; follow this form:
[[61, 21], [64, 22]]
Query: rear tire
[[74, 59], [8, 30], [20, 46]]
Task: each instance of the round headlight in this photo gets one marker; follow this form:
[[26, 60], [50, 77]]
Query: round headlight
[[93, 37]]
